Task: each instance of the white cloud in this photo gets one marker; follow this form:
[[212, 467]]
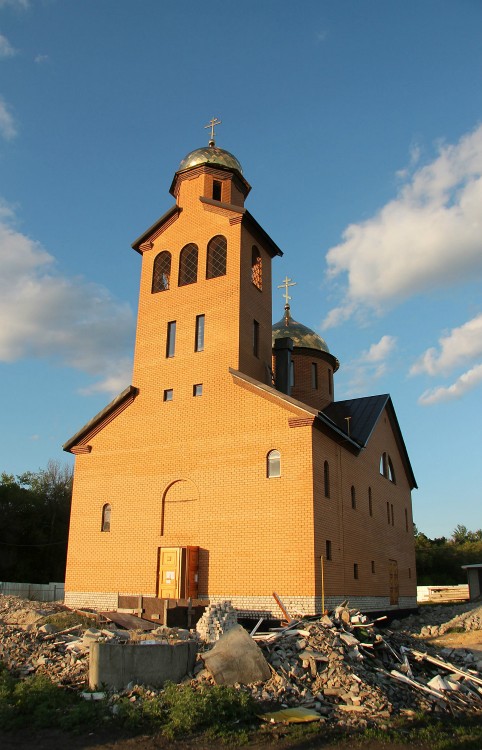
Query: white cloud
[[41, 59], [370, 366], [44, 315], [22, 4], [456, 348], [6, 49], [7, 124], [429, 236], [462, 385]]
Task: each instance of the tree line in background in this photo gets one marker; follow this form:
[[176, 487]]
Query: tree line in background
[[34, 528], [34, 513], [439, 560]]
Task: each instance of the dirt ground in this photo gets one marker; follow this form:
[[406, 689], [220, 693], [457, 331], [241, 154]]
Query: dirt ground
[[471, 640]]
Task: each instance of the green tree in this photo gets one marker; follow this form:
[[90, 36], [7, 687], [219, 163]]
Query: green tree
[[35, 511]]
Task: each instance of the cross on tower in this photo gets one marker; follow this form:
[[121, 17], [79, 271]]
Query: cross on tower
[[287, 283], [211, 124]]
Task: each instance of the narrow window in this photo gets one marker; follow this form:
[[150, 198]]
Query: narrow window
[[355, 571], [328, 549], [274, 464], [353, 498], [326, 477], [217, 189], [171, 339], [390, 471], [255, 338], [314, 376], [388, 512], [373, 566], [383, 464], [161, 272], [105, 517], [391, 514], [406, 519], [330, 382], [370, 504], [168, 394], [188, 265], [197, 390], [410, 572], [256, 268], [199, 340], [216, 257], [292, 373]]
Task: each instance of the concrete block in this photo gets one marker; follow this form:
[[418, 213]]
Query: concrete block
[[117, 664]]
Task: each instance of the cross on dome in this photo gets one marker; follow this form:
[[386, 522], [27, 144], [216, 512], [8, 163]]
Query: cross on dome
[[212, 124]]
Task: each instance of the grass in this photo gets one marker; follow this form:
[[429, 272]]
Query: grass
[[427, 732], [63, 620]]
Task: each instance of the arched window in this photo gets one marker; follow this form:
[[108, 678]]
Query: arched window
[[273, 464], [256, 268], [216, 260], [188, 265], [326, 477], [386, 467], [161, 272], [353, 497], [105, 518]]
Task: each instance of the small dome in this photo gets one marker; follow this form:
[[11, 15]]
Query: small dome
[[210, 155], [303, 337]]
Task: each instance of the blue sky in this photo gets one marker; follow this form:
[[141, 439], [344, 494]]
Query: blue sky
[[359, 126]]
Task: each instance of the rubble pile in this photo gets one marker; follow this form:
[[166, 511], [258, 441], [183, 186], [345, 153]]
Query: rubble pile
[[216, 620], [434, 620]]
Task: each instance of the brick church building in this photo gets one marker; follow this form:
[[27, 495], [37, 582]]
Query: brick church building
[[227, 470]]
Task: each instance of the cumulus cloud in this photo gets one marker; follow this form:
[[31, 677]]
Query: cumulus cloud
[[45, 315], [427, 237], [371, 365], [461, 345], [8, 128], [462, 385], [6, 49]]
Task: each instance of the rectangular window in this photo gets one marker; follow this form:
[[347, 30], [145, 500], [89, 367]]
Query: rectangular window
[[370, 504], [171, 339], [373, 566], [406, 520], [255, 338], [199, 341], [388, 512], [168, 394], [197, 390], [391, 514], [410, 572], [328, 549], [355, 571], [314, 376], [330, 382], [292, 374], [217, 190]]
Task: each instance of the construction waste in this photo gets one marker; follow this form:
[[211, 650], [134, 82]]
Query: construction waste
[[342, 668]]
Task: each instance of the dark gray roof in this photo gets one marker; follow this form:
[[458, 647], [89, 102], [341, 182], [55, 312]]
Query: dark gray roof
[[357, 418], [128, 394]]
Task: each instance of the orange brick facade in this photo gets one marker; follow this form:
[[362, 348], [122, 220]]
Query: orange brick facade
[[184, 470]]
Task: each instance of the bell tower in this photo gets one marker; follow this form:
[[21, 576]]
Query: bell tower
[[205, 290]]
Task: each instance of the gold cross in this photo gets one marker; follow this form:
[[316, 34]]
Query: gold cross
[[287, 283], [211, 124]]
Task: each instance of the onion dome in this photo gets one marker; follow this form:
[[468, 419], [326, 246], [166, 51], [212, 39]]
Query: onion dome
[[210, 155], [302, 336]]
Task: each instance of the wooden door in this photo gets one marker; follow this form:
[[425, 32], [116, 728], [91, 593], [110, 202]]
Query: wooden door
[[169, 572], [393, 580]]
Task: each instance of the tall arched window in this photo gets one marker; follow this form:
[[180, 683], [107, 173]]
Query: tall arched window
[[161, 272], [216, 259], [105, 517], [188, 265], [386, 467], [273, 468], [256, 268], [326, 477]]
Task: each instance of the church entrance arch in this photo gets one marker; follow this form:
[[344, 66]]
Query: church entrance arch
[[179, 507]]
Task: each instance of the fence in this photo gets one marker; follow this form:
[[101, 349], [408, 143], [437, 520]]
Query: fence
[[39, 592]]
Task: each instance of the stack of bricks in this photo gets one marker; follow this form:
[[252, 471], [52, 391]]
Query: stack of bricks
[[216, 620]]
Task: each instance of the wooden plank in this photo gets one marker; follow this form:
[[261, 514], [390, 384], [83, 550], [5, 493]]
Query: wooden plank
[[129, 622]]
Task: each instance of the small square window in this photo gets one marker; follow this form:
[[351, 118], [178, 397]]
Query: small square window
[[197, 390], [168, 394]]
